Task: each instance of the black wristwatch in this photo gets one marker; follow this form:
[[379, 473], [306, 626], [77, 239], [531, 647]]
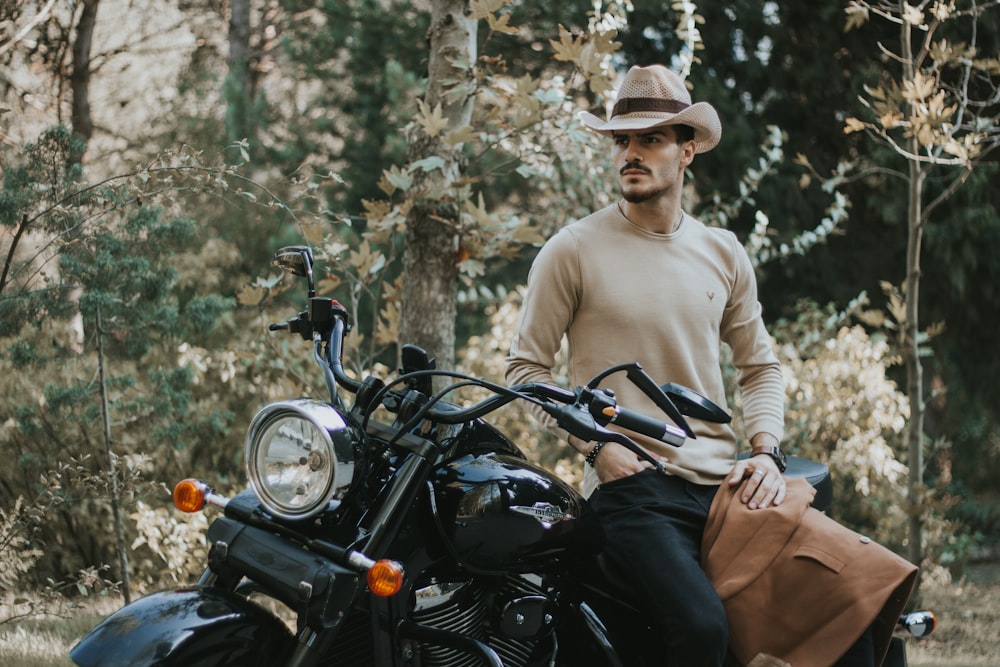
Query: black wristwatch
[[774, 452]]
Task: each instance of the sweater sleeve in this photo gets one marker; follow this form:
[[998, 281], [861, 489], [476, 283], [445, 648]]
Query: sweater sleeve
[[546, 313], [758, 369]]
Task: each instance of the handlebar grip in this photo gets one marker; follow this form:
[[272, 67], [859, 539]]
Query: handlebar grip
[[640, 423]]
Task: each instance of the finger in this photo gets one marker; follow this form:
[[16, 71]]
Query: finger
[[742, 471], [775, 491], [752, 487], [767, 491], [782, 490], [739, 474]]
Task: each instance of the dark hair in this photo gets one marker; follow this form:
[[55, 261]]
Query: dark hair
[[683, 133]]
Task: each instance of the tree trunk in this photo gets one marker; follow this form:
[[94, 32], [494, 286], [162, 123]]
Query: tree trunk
[[914, 368], [79, 79], [239, 85], [430, 270], [117, 511], [911, 327], [82, 124]]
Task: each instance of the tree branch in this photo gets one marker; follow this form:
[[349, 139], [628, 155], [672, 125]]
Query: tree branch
[[948, 192], [38, 18], [10, 253]]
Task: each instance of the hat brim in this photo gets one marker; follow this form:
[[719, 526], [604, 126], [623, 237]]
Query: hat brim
[[700, 116]]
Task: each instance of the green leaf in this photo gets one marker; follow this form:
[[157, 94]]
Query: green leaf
[[473, 268], [526, 171], [428, 164], [552, 96], [397, 177]]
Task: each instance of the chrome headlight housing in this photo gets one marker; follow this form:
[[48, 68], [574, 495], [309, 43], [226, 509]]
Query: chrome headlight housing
[[299, 457]]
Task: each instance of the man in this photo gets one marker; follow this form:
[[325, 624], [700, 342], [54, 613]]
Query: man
[[643, 281]]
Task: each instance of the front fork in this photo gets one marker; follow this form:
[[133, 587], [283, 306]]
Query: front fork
[[305, 639]]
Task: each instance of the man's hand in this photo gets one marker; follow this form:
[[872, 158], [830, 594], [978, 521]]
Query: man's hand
[[765, 485], [615, 462]]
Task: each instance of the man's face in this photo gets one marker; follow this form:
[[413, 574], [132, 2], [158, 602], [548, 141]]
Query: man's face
[[650, 163]]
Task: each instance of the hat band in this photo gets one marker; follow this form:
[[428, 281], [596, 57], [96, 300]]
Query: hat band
[[634, 104]]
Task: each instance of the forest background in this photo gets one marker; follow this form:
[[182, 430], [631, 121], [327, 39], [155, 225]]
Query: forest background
[[154, 155]]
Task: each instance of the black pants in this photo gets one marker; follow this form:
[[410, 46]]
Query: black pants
[[654, 523], [861, 654]]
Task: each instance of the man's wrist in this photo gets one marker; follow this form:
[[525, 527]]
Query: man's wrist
[[591, 458], [774, 452], [764, 438], [580, 445]]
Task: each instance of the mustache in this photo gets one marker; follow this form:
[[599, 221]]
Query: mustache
[[632, 165]]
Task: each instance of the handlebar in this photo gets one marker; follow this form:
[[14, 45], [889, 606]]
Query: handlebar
[[585, 412], [652, 428]]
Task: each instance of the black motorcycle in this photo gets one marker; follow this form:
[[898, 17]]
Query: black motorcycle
[[427, 541]]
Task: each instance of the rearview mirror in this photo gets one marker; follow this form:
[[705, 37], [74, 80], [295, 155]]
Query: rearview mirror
[[298, 261]]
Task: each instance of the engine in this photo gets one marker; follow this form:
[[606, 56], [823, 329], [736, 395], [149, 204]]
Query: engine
[[512, 615]]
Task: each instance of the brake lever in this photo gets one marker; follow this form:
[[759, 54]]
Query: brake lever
[[646, 384], [575, 418]]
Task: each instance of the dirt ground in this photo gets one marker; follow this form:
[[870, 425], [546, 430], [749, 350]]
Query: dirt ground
[[968, 629]]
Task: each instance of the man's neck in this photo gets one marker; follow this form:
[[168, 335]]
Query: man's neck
[[657, 216]]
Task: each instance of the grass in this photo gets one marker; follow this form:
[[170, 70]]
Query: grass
[[45, 641], [968, 633], [968, 613]]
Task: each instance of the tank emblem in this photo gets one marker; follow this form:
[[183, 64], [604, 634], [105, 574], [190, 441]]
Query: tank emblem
[[546, 513]]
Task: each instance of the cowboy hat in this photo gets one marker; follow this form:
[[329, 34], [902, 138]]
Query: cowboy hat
[[653, 96]]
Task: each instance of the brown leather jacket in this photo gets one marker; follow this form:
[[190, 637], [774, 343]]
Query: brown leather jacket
[[797, 585]]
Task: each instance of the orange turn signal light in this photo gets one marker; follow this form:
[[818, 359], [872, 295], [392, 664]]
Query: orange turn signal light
[[189, 495], [385, 578], [608, 411]]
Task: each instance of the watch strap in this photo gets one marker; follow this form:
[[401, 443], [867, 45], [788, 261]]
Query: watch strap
[[773, 451]]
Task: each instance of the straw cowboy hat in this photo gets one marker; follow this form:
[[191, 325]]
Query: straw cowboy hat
[[653, 96]]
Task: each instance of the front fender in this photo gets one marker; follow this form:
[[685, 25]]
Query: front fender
[[191, 627]]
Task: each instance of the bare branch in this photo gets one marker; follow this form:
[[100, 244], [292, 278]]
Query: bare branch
[[948, 192], [888, 54], [10, 253], [916, 157], [23, 32]]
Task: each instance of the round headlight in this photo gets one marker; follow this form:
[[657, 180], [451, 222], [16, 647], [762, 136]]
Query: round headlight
[[299, 456]]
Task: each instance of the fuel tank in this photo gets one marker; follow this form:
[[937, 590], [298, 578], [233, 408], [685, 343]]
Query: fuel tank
[[473, 436], [498, 512]]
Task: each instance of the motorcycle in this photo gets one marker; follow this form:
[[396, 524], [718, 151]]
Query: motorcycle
[[427, 541]]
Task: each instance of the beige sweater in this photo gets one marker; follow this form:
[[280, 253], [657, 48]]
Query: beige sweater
[[622, 294]]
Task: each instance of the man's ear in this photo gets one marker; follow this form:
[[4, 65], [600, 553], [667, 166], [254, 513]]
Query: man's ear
[[687, 157]]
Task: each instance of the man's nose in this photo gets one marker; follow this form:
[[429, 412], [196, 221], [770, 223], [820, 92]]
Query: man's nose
[[632, 151]]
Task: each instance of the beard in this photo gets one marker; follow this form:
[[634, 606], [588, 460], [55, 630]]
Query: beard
[[638, 194], [651, 185]]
